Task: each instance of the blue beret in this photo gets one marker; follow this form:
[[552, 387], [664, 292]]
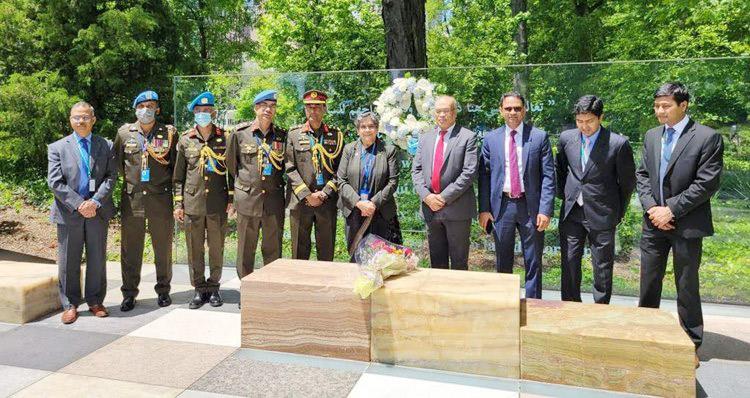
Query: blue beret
[[265, 95], [145, 96], [205, 98]]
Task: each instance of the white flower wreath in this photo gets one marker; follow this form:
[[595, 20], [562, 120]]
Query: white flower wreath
[[396, 105]]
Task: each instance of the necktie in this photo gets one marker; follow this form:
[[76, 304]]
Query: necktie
[[585, 152], [83, 187], [666, 154], [437, 164], [515, 178]]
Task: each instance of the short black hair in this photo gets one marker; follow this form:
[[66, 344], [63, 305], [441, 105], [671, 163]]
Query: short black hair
[[673, 89], [589, 104], [514, 94]]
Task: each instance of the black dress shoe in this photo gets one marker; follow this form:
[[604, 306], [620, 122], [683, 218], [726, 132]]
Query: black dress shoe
[[205, 296], [215, 300], [197, 301], [164, 300], [128, 303]]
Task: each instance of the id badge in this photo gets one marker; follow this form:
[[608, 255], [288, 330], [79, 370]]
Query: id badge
[[145, 175], [267, 169], [319, 179], [92, 185], [364, 195]]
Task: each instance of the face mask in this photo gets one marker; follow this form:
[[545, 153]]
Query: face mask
[[203, 119], [145, 115]]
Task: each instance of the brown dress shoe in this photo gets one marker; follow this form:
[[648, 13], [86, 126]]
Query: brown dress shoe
[[70, 315], [99, 311]]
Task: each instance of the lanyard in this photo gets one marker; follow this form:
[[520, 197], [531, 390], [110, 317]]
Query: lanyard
[[368, 162]]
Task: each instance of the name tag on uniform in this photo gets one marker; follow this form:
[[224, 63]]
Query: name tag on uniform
[[145, 175], [267, 169]]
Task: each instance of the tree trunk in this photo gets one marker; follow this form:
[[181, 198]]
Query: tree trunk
[[521, 78], [405, 42]]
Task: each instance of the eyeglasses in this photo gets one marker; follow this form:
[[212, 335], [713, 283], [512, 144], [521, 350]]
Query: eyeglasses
[[513, 108], [81, 118]]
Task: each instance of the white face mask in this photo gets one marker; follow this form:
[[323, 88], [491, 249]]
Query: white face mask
[[202, 119], [145, 115]]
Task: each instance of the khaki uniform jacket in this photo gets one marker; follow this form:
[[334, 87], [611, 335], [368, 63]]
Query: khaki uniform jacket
[[196, 189], [130, 146], [301, 173], [256, 194]]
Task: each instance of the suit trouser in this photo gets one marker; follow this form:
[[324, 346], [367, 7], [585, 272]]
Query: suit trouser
[[198, 230], [449, 239], [161, 230], [248, 229], [655, 246], [71, 239], [514, 216], [574, 231], [301, 221]]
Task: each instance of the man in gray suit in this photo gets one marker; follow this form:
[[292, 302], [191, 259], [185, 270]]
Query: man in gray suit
[[81, 173], [443, 173]]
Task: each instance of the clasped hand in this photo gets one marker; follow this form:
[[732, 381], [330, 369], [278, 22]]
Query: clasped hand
[[87, 208], [661, 217]]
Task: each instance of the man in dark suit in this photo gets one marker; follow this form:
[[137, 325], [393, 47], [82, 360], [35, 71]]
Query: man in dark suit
[[595, 179], [81, 173], [443, 173], [679, 172], [517, 190]]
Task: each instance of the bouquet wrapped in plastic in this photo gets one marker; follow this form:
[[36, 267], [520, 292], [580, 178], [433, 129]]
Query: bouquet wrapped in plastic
[[379, 259]]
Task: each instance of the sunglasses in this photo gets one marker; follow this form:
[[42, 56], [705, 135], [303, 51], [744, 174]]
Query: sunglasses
[[513, 108]]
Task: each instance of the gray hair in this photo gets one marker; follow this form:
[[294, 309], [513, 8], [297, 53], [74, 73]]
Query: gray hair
[[83, 104], [453, 103], [367, 114]]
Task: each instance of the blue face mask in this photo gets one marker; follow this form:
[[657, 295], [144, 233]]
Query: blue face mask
[[203, 119]]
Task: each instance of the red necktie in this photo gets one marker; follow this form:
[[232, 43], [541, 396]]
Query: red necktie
[[437, 164], [515, 179]]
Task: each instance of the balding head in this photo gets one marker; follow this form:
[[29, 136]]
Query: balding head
[[445, 111]]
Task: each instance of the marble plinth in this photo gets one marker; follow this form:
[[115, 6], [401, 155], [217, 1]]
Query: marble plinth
[[27, 291], [458, 321], [306, 307], [636, 350]]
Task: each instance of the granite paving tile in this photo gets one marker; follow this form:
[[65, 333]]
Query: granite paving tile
[[60, 385], [253, 378], [194, 326], [151, 361], [13, 378], [45, 348]]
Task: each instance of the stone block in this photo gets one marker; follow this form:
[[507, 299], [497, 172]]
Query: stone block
[[27, 291], [451, 320], [635, 350], [306, 307]]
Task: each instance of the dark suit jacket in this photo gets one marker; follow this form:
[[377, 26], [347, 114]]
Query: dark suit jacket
[[607, 182], [63, 176], [456, 177], [538, 172], [692, 177], [384, 178]]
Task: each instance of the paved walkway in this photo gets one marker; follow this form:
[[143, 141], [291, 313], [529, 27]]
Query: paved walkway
[[175, 351]]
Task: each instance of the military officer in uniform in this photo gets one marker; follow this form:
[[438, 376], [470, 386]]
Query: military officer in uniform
[[255, 158], [201, 195], [313, 153], [145, 155]]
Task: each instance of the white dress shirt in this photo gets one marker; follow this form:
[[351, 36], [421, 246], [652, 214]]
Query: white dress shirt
[[445, 141], [519, 152]]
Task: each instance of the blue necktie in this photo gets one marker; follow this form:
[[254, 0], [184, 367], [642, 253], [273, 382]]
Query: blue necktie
[[83, 186], [666, 153]]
